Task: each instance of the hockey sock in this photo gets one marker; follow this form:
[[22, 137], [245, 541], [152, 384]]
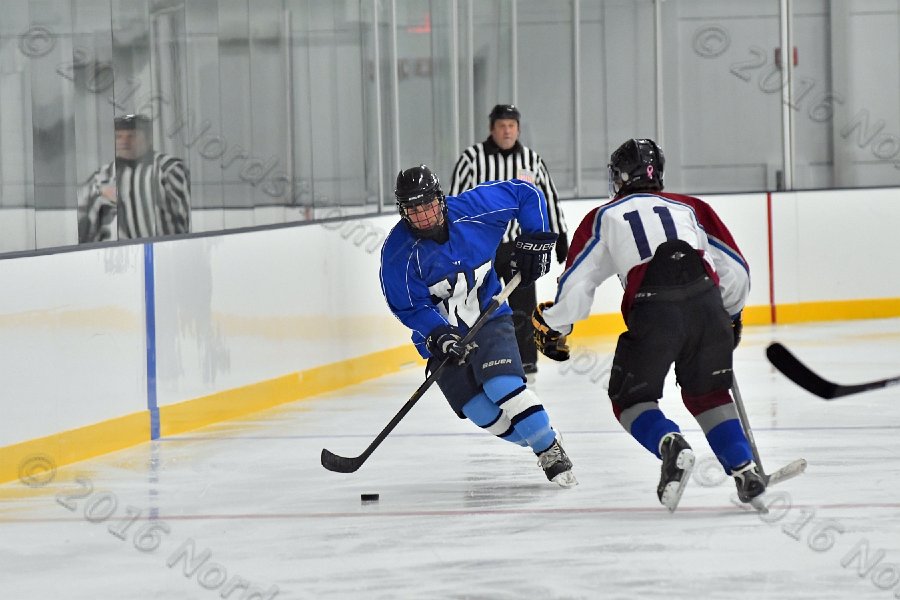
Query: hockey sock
[[717, 415], [728, 441], [524, 410], [649, 428], [484, 413]]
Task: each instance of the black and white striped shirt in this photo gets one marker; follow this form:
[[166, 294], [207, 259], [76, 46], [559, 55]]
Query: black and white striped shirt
[[485, 161], [153, 196]]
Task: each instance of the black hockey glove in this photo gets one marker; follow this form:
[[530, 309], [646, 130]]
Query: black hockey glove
[[550, 342], [737, 328], [444, 342], [531, 256]]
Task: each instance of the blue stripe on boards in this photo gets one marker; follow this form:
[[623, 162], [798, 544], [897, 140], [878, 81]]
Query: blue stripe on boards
[[150, 321]]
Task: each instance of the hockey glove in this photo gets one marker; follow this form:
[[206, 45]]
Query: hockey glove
[[737, 328], [550, 342], [531, 256], [445, 342]]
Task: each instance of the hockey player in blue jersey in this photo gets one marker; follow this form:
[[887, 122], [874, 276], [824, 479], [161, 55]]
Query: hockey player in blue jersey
[[437, 275]]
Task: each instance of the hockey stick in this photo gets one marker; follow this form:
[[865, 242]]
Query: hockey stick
[[783, 360], [343, 464], [788, 471]]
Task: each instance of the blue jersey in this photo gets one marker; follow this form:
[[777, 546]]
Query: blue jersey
[[427, 284]]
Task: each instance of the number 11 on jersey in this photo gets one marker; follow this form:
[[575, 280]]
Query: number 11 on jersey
[[640, 235]]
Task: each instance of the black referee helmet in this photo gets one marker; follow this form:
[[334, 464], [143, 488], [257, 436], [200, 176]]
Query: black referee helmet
[[505, 111], [135, 122]]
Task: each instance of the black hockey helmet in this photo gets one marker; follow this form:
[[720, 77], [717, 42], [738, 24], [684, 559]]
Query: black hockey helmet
[[505, 111], [636, 165], [417, 186]]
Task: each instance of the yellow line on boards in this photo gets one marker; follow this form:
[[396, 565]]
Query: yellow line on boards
[[26, 460], [839, 310]]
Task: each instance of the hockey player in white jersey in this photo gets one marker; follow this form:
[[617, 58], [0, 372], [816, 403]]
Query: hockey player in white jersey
[[437, 276], [685, 283]]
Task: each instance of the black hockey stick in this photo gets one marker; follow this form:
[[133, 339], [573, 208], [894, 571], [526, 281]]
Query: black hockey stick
[[783, 360], [343, 464], [792, 469]]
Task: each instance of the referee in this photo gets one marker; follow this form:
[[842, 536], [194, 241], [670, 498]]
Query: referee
[[142, 193], [501, 157]]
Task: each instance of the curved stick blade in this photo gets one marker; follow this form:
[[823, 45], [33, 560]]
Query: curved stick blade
[[791, 367], [339, 464], [788, 471]]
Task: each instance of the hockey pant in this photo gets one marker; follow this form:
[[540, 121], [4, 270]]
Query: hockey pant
[[694, 333]]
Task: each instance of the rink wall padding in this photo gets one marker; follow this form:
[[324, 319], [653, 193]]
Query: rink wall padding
[[246, 321]]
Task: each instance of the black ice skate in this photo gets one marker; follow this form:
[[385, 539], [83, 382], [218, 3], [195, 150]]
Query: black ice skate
[[557, 466], [750, 484], [677, 463]]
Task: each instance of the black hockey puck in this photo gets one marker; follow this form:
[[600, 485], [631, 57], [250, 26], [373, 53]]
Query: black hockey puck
[[369, 497]]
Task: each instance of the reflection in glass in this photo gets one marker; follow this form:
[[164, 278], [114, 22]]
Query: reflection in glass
[[142, 193]]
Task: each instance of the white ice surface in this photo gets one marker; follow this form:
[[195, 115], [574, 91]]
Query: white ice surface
[[465, 515]]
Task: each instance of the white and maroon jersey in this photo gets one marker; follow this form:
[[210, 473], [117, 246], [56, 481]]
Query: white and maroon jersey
[[620, 237]]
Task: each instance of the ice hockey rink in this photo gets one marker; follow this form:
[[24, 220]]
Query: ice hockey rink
[[244, 509]]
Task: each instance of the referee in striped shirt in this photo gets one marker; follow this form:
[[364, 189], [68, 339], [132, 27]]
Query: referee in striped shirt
[[502, 157], [142, 193]]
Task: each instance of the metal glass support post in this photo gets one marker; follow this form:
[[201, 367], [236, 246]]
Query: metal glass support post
[[787, 66]]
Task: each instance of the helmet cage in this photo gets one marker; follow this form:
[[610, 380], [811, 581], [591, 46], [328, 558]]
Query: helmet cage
[[416, 187]]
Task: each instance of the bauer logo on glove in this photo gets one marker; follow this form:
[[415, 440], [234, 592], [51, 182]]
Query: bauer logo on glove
[[531, 256], [550, 342]]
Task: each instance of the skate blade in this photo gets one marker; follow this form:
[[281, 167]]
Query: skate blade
[[759, 505], [566, 479], [673, 491]]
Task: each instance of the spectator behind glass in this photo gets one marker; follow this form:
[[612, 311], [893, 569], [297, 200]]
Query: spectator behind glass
[[142, 193]]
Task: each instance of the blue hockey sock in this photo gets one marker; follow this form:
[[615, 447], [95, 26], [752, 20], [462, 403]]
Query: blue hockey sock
[[524, 410], [484, 413], [650, 427], [728, 441]]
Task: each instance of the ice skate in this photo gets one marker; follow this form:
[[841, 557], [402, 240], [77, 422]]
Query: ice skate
[[750, 485], [677, 463], [557, 466]]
